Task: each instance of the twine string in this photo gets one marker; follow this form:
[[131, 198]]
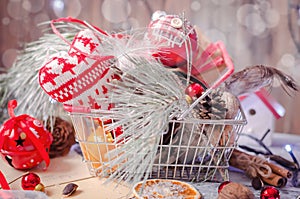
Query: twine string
[[254, 166]]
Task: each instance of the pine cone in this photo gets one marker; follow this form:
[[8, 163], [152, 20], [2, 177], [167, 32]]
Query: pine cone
[[63, 137], [212, 106]]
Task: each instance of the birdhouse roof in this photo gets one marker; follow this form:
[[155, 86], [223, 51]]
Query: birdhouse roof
[[271, 103]]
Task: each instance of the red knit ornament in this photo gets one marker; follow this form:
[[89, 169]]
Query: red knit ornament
[[78, 77]]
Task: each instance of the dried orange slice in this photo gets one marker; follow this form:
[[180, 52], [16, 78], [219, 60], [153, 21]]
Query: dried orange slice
[[166, 189]]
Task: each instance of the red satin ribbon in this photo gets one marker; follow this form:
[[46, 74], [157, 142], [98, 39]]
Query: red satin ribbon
[[3, 182], [73, 20], [18, 122]]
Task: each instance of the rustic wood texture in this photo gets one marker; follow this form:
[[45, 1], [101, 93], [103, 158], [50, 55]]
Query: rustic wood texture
[[244, 48]]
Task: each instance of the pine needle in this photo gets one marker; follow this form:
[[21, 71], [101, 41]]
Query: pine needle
[[145, 98], [21, 80]]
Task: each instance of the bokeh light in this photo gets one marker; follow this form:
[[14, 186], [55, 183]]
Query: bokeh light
[[272, 18], [40, 18], [116, 11], [18, 28], [65, 8], [8, 57], [15, 10], [195, 6], [216, 35], [33, 6], [288, 60], [243, 11], [240, 42], [224, 24], [258, 18], [222, 2], [5, 20], [255, 24]]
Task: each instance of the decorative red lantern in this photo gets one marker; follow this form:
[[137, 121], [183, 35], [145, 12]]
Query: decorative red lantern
[[24, 141]]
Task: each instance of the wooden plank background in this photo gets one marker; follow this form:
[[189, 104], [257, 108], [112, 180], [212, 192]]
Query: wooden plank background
[[217, 18]]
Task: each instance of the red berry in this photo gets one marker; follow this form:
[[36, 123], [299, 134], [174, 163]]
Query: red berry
[[222, 185], [118, 131], [269, 193], [30, 181], [194, 90]]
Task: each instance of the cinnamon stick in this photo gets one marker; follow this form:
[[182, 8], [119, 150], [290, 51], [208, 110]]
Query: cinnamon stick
[[278, 176], [275, 180], [279, 170]]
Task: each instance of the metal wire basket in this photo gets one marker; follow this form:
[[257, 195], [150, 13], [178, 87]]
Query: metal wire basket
[[191, 149], [179, 155]]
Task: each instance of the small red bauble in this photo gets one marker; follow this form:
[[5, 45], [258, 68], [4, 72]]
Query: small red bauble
[[30, 181], [118, 131], [222, 185], [194, 90], [269, 193]]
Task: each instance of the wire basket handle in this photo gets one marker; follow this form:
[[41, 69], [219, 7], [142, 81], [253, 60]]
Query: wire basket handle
[[77, 21], [229, 70]]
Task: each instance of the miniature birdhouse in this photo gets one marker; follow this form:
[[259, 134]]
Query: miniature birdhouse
[[261, 111]]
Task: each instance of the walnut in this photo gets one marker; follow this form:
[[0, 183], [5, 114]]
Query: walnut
[[235, 190]]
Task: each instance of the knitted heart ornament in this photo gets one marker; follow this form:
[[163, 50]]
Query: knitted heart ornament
[[78, 77]]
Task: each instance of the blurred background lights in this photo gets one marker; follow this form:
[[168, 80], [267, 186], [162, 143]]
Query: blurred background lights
[[58, 5], [257, 18], [255, 24], [225, 25], [66, 8], [116, 11], [40, 18], [288, 60], [195, 6], [254, 32], [8, 57], [272, 18], [288, 148], [5, 20], [14, 10], [33, 6], [216, 35], [222, 2], [243, 11]]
